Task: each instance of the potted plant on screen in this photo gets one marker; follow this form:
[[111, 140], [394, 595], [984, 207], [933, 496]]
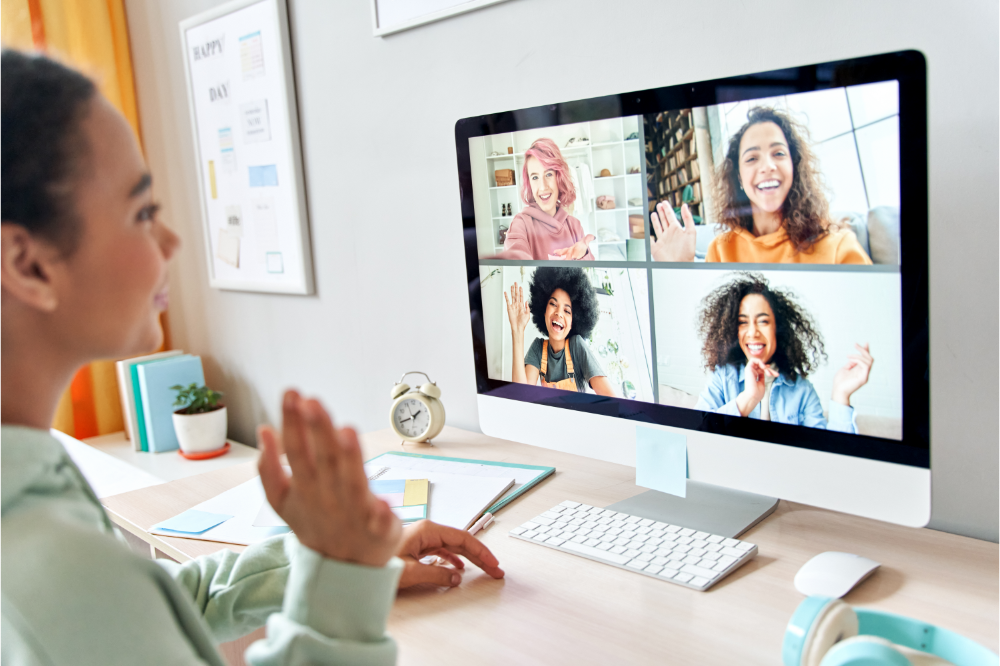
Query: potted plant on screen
[[200, 423]]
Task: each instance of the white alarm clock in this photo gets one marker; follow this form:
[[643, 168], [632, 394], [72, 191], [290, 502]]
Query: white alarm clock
[[417, 415]]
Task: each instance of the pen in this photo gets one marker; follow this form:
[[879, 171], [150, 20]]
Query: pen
[[483, 522]]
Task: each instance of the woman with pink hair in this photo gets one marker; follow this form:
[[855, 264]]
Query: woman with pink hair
[[543, 229]]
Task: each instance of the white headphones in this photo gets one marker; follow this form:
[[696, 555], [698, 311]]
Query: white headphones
[[828, 632]]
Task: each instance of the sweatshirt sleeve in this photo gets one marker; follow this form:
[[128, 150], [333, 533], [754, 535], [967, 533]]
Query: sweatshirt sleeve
[[849, 251], [516, 245], [334, 612], [713, 398], [581, 234]]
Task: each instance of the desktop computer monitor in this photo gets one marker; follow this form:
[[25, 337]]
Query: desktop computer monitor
[[742, 260]]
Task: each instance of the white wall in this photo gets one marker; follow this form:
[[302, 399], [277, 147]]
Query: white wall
[[378, 118]]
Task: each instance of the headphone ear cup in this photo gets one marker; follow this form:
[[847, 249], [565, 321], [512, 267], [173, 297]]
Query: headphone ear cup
[[399, 389], [835, 623], [865, 651], [430, 390]]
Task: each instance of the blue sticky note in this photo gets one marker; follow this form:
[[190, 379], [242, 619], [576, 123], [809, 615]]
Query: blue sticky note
[[384, 487], [661, 460], [192, 521], [264, 176]]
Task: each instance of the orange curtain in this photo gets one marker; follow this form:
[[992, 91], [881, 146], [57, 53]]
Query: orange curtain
[[92, 36]]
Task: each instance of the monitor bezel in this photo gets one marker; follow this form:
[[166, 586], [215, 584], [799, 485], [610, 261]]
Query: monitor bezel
[[906, 67]]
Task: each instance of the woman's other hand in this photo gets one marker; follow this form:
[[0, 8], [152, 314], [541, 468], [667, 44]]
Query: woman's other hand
[[577, 250], [853, 375], [326, 501], [517, 309], [427, 538], [674, 241], [754, 385]]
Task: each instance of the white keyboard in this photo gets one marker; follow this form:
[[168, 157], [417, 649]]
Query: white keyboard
[[681, 555]]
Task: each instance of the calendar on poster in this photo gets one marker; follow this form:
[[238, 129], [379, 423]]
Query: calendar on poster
[[244, 119]]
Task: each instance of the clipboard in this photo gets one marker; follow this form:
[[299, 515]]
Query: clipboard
[[526, 477]]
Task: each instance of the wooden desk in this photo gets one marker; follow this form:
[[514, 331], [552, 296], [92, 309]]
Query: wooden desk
[[557, 608]]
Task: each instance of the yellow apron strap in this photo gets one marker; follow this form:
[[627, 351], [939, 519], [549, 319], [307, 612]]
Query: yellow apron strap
[[569, 362], [545, 356]]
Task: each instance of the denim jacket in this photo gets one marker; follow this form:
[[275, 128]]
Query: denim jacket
[[794, 402]]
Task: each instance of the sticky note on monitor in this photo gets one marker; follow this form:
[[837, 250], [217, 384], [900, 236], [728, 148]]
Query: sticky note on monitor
[[192, 521], [661, 460], [407, 497]]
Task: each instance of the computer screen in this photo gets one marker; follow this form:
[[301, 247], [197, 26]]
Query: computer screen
[[744, 257]]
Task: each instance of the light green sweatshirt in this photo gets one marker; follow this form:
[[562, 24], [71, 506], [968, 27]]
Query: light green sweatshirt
[[73, 593]]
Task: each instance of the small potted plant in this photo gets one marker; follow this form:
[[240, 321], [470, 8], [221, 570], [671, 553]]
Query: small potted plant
[[200, 423]]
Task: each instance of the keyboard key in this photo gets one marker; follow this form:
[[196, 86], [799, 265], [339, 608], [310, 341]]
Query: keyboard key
[[628, 533], [646, 548], [659, 559], [645, 522], [578, 538], [618, 522], [622, 541], [615, 530], [699, 571], [645, 557], [732, 552], [640, 538], [583, 531], [681, 549], [701, 535], [713, 547], [606, 555], [687, 531], [551, 514], [518, 530], [529, 525], [732, 543], [683, 577], [645, 529], [660, 526], [569, 504], [667, 572], [663, 552], [585, 507], [590, 524], [672, 529], [637, 564], [655, 541], [653, 569], [724, 562], [708, 564], [592, 543], [609, 513], [698, 543], [744, 546], [529, 534], [608, 538], [683, 540], [604, 545], [539, 536], [698, 581], [600, 528], [715, 538], [633, 519], [559, 508], [691, 559], [697, 551], [712, 557], [555, 541], [631, 552], [617, 550]]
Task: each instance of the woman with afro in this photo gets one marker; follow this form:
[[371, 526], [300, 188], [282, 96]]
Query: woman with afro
[[563, 307], [760, 346], [769, 201]]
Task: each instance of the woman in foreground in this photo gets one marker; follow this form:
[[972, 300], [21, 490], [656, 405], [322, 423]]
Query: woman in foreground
[[83, 271], [760, 345]]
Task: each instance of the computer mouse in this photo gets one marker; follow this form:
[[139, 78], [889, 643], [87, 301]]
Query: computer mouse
[[833, 574]]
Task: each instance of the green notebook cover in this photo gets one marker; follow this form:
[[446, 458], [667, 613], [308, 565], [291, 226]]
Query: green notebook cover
[[506, 499], [140, 419]]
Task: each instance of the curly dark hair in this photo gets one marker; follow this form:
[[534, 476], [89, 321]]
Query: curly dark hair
[[799, 345], [44, 104], [806, 211], [581, 294]]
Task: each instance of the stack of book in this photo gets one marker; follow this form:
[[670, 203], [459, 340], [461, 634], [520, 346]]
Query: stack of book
[[147, 399]]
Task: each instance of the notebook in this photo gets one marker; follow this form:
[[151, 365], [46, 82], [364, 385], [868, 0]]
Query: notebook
[[155, 380], [525, 476], [126, 391]]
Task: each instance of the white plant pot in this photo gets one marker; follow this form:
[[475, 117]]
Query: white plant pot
[[198, 433]]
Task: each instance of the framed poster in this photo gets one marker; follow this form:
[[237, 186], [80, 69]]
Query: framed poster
[[391, 16], [241, 92]]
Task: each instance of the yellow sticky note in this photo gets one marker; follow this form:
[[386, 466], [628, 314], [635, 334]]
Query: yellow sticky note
[[415, 492], [211, 179]]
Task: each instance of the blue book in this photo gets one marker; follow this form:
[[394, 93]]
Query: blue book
[[155, 380], [133, 387]]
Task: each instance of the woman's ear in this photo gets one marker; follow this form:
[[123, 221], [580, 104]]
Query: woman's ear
[[25, 267]]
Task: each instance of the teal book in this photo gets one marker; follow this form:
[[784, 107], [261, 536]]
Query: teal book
[[155, 380], [140, 417]]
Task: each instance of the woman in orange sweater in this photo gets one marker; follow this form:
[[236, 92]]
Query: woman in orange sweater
[[769, 198]]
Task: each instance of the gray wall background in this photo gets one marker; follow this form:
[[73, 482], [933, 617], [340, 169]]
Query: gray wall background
[[377, 122]]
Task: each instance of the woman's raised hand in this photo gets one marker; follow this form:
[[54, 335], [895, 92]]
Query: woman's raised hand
[[674, 241], [517, 309], [577, 250], [326, 501], [853, 375], [754, 385]]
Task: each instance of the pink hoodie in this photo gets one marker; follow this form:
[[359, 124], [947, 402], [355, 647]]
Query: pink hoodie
[[534, 234]]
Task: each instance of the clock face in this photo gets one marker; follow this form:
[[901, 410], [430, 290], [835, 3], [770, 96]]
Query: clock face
[[412, 417]]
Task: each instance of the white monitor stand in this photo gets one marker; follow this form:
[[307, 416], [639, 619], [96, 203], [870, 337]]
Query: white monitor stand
[[733, 482]]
